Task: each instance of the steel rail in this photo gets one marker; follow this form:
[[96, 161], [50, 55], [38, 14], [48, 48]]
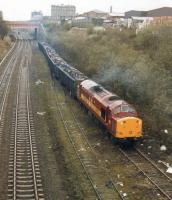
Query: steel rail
[[8, 53], [75, 148], [7, 67], [7, 86], [86, 140], [144, 173], [30, 137], [152, 163], [15, 133], [33, 189]]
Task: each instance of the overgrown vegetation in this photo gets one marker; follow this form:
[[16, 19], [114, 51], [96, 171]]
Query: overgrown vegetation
[[3, 29], [136, 67], [5, 41]]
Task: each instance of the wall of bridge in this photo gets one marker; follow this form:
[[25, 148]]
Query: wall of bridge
[[22, 25]]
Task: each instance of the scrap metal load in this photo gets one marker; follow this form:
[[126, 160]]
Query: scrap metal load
[[119, 118]]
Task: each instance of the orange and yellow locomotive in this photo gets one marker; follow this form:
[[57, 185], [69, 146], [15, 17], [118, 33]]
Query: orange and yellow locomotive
[[119, 117]]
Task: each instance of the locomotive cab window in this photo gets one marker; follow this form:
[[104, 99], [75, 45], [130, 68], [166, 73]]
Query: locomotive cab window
[[126, 108], [103, 113]]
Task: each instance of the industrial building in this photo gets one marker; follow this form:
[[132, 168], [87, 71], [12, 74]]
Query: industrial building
[[162, 16], [159, 16], [36, 16], [81, 22], [63, 12], [95, 14], [135, 13]]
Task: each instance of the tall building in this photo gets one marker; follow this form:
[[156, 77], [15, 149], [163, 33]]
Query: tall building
[[61, 12], [1, 15], [36, 16]]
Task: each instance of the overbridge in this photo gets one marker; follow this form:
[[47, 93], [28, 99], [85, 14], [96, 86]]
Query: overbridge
[[23, 25], [28, 25]]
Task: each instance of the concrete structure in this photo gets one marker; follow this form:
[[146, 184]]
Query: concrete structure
[[36, 16], [1, 15], [28, 25], [95, 14], [62, 12]]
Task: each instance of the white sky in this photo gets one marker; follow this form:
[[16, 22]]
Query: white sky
[[21, 9]]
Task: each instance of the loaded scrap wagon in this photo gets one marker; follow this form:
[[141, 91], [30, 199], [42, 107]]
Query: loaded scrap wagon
[[70, 78]]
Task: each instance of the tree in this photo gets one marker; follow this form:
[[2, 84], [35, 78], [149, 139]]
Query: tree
[[3, 29]]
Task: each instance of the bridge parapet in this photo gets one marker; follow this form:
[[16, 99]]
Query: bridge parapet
[[22, 25]]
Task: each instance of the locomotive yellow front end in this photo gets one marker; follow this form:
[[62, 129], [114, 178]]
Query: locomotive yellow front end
[[128, 127]]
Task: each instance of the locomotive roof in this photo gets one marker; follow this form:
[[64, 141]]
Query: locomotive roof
[[104, 96]]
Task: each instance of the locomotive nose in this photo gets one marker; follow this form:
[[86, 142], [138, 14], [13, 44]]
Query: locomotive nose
[[129, 127]]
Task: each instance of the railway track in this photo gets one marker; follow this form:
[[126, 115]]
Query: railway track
[[24, 178], [8, 54], [159, 179], [5, 80], [100, 180]]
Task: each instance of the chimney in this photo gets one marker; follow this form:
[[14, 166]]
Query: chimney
[[111, 9]]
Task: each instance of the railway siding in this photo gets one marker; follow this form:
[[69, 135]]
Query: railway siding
[[151, 171], [8, 70], [125, 171], [97, 173], [24, 179]]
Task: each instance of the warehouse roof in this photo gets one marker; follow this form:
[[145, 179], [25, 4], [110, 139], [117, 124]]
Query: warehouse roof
[[159, 12]]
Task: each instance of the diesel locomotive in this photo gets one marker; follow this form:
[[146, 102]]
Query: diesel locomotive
[[118, 117]]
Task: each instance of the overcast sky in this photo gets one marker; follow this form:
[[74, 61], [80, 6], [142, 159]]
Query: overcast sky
[[21, 9]]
